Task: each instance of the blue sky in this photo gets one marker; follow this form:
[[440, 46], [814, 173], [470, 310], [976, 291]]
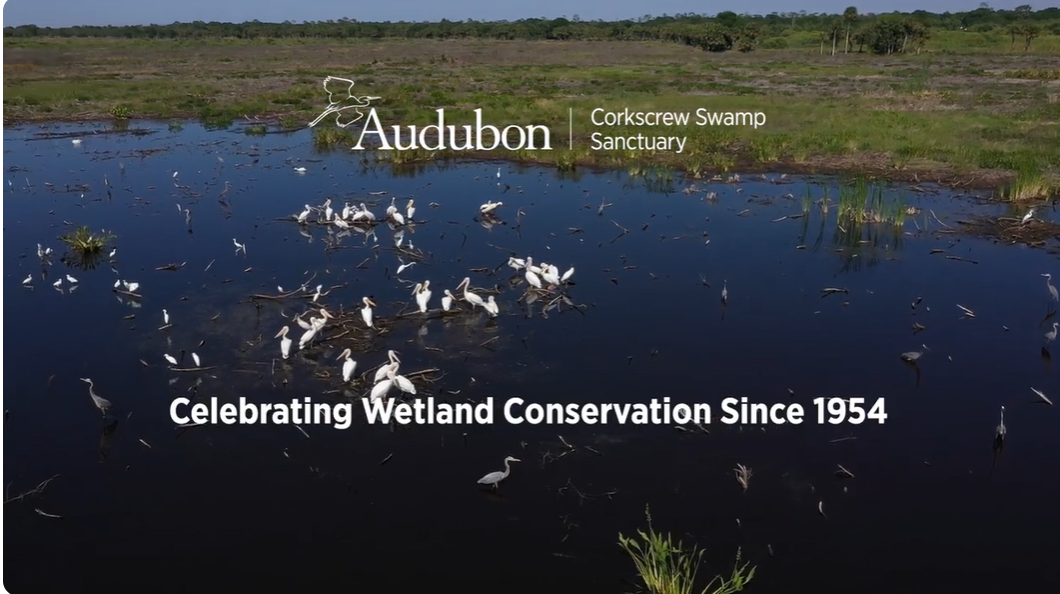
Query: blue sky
[[59, 13]]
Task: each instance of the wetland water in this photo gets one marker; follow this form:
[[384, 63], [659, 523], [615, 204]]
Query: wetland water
[[930, 507]]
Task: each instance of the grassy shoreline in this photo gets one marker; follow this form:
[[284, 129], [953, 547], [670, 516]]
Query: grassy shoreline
[[983, 120]]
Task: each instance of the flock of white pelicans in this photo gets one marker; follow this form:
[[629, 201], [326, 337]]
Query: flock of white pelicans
[[540, 277]]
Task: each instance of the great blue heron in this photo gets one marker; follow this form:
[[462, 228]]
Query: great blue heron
[[1049, 285], [913, 356], [494, 478], [1051, 335], [101, 403]]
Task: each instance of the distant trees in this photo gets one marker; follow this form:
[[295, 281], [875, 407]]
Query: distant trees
[[725, 31]]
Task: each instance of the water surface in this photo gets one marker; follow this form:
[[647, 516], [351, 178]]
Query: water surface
[[144, 506]]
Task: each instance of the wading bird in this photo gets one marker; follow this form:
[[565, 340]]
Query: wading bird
[[1001, 431], [71, 279], [470, 297], [531, 274], [494, 478], [490, 207], [165, 317], [348, 366], [1027, 217], [28, 280], [366, 311], [315, 325], [302, 216], [423, 295], [285, 343], [1049, 285], [410, 210], [195, 357], [1051, 335], [724, 292], [447, 301], [393, 365], [491, 307], [328, 212], [171, 359], [101, 403], [239, 246], [382, 388], [912, 356]]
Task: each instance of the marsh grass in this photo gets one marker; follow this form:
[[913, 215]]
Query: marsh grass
[[666, 567], [86, 248], [861, 201], [1029, 185]]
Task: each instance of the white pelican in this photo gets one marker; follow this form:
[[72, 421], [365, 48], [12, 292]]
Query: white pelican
[[531, 276], [296, 170], [316, 324], [131, 287], [566, 275], [491, 306], [447, 301], [341, 224], [366, 311], [285, 343], [423, 295], [349, 366], [302, 323], [410, 210], [380, 389], [402, 382], [364, 213], [317, 294], [489, 207], [390, 210], [302, 216], [346, 211], [550, 274], [195, 357], [165, 317], [70, 279], [470, 297], [327, 210], [75, 141], [393, 365], [517, 263], [171, 359]]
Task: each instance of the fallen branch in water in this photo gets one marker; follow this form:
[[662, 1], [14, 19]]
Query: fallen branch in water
[[34, 491]]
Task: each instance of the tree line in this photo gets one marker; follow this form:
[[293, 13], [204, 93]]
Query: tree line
[[884, 33]]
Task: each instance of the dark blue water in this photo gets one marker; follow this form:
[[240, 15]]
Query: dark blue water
[[144, 506]]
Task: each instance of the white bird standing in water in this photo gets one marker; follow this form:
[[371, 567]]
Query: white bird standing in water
[[1051, 335], [494, 478], [366, 311], [403, 266], [328, 212], [491, 306], [393, 365], [567, 275], [1049, 285], [316, 324], [470, 297], [423, 295], [516, 263], [28, 280], [381, 389], [348, 366], [724, 292], [171, 359], [550, 274], [285, 343], [71, 279], [447, 301], [165, 317], [1002, 430], [195, 357], [531, 277], [1027, 217], [302, 216], [489, 207], [410, 210], [239, 246]]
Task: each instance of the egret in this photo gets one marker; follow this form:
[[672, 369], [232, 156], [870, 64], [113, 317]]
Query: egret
[[410, 210], [76, 142], [494, 478], [423, 295], [58, 283], [302, 216], [489, 207], [531, 276], [1052, 289], [447, 301], [285, 343], [348, 366], [299, 170], [566, 275], [317, 294], [491, 306], [1001, 431], [470, 297], [403, 266], [1027, 217], [171, 359], [912, 356], [101, 403], [165, 317], [195, 357], [1051, 335], [28, 280], [239, 246], [366, 311], [70, 279], [113, 252]]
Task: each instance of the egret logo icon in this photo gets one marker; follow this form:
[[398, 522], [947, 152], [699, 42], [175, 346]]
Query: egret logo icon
[[433, 137], [340, 99]]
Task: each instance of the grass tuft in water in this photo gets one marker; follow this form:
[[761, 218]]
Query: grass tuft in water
[[666, 567], [1029, 185], [83, 241]]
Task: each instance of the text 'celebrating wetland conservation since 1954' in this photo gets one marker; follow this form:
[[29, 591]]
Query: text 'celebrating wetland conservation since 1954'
[[625, 119], [516, 411]]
